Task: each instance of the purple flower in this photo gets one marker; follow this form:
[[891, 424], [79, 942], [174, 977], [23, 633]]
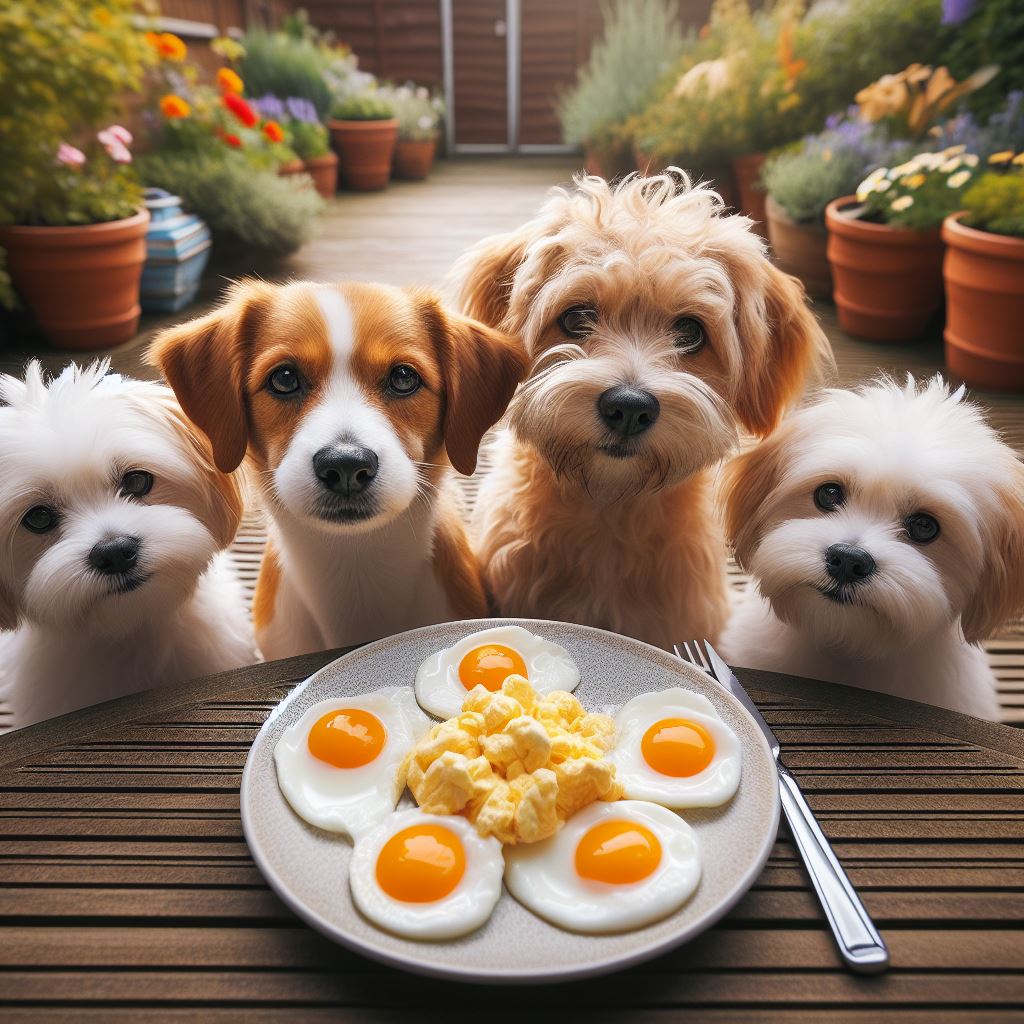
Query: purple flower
[[269, 107], [956, 11], [301, 109]]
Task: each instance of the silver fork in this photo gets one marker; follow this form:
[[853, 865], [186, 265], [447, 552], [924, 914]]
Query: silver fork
[[860, 945]]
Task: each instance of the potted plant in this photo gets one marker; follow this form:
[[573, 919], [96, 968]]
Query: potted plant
[[310, 141], [419, 125], [884, 244], [641, 41], [71, 210], [364, 130], [984, 275], [801, 180]]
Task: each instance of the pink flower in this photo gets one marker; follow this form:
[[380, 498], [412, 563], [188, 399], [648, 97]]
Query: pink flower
[[120, 133], [69, 156], [115, 139]]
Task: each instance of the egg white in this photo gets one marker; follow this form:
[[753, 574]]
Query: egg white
[[349, 800], [548, 665], [462, 911], [713, 786], [543, 877]]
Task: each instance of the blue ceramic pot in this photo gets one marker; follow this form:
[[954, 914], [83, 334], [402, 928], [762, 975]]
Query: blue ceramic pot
[[177, 248]]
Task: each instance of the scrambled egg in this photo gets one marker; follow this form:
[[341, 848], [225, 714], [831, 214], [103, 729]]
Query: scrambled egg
[[517, 765]]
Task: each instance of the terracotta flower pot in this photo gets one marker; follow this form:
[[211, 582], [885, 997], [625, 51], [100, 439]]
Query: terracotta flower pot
[[984, 274], [81, 283], [888, 281], [290, 168], [799, 249], [365, 149], [324, 172], [414, 158], [747, 175]]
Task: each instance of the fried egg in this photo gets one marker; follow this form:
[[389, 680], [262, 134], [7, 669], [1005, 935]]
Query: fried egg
[[673, 749], [487, 659], [426, 876], [338, 764], [612, 868]]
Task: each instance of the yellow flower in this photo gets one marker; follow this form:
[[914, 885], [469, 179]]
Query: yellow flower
[[228, 48], [102, 16], [173, 107], [1018, 160], [228, 81], [901, 203], [1002, 157], [958, 179], [914, 181], [953, 150], [171, 46]]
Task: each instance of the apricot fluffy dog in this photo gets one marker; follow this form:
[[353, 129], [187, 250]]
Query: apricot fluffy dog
[[657, 328]]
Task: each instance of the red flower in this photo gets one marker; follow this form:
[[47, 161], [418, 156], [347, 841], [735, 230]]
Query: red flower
[[233, 140], [273, 131], [240, 109]]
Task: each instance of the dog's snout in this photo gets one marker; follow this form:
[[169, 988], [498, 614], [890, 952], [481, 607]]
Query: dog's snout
[[345, 469], [628, 411], [846, 563], [115, 555]]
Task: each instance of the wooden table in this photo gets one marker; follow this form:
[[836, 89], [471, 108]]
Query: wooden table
[[127, 891]]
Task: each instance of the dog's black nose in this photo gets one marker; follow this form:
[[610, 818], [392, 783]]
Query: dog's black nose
[[628, 411], [848, 564], [345, 468], [115, 554]]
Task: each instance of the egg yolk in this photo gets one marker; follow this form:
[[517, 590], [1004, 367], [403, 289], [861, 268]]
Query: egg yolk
[[677, 747], [348, 738], [489, 666], [421, 864], [617, 853]]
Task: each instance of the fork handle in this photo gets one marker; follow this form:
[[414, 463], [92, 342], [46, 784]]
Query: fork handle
[[859, 942]]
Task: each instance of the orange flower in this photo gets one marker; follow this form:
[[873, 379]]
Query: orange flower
[[172, 106], [228, 81], [273, 131], [171, 46], [153, 38]]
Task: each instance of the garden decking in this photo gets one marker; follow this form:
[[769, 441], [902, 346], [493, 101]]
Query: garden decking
[[413, 232]]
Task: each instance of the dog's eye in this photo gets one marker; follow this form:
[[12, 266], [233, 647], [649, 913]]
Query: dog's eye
[[284, 381], [403, 381], [136, 483], [689, 334], [921, 527], [578, 321], [40, 519], [828, 497]]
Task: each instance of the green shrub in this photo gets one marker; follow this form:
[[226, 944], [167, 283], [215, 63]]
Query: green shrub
[[283, 65], [241, 204], [803, 179], [308, 140], [641, 41], [367, 106], [993, 33], [995, 202], [65, 66]]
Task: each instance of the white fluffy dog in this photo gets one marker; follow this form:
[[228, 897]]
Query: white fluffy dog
[[112, 515], [657, 328], [884, 529]]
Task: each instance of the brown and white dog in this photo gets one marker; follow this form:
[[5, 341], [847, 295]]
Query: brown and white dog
[[346, 399], [657, 329]]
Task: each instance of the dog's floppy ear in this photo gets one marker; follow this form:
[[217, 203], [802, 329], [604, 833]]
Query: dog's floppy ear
[[792, 346], [1000, 592], [481, 368], [204, 361], [484, 274], [747, 480]]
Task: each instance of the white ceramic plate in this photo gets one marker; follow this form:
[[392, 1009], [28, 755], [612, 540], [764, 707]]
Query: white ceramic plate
[[308, 868]]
